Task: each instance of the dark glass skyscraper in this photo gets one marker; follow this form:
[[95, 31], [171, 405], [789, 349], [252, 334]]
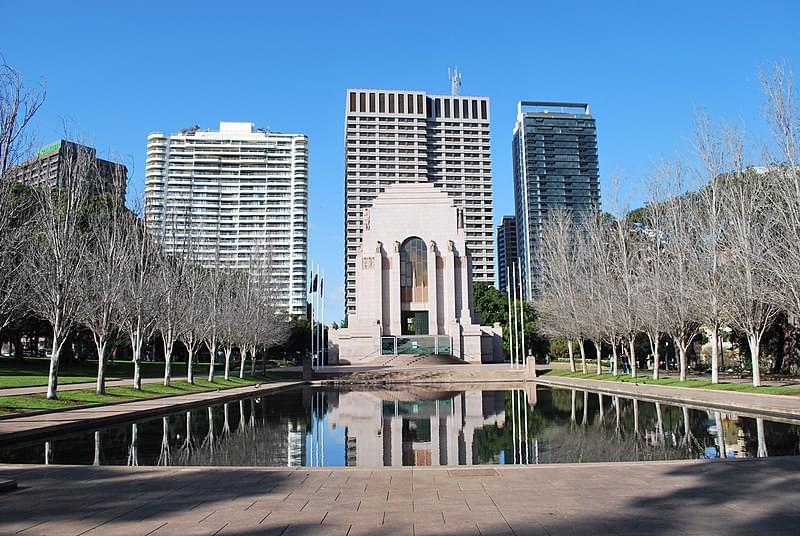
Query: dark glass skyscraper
[[555, 166], [506, 249]]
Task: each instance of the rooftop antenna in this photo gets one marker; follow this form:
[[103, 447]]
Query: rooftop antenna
[[455, 80]]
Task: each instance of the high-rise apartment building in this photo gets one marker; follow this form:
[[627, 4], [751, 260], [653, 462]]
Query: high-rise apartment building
[[235, 193], [51, 164], [555, 166], [409, 136], [506, 249]]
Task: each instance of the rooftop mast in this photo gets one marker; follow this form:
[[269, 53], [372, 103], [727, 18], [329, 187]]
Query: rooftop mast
[[455, 81]]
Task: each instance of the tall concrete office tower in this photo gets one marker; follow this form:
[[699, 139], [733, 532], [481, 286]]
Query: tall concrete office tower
[[234, 193], [409, 136], [555, 166], [506, 249]]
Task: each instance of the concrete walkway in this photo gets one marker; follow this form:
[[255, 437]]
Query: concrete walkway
[[707, 498], [784, 406], [36, 426]]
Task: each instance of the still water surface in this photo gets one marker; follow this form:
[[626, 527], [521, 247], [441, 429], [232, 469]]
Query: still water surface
[[419, 426]]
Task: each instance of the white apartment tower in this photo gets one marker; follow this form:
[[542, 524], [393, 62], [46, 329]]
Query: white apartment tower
[[234, 193], [409, 136]]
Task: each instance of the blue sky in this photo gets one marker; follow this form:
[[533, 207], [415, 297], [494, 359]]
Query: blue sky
[[117, 71]]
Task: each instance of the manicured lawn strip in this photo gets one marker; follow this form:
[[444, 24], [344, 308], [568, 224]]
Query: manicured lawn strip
[[88, 397], [675, 382], [32, 371]]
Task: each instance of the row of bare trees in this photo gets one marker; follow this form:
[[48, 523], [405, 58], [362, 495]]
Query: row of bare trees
[[725, 255], [75, 256]]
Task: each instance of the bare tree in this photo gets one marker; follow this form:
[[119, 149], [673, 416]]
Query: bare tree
[[15, 209], [101, 274], [713, 150], [18, 106], [750, 220], [681, 252], [141, 291], [170, 313], [54, 265], [193, 303], [557, 302]]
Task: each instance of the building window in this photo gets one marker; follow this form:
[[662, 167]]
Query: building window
[[381, 103], [455, 108], [362, 97], [474, 109], [372, 102], [411, 104], [447, 107], [400, 104], [483, 109], [438, 108], [420, 104], [429, 103], [413, 270], [352, 102], [465, 102], [391, 103]]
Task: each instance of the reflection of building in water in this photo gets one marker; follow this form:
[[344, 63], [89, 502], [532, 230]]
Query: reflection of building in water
[[295, 444], [383, 428]]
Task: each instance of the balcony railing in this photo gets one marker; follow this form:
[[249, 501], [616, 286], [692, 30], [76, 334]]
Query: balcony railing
[[417, 344]]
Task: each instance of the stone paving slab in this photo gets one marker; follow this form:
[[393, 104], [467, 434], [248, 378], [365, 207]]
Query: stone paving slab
[[755, 404], [41, 425], [731, 497]]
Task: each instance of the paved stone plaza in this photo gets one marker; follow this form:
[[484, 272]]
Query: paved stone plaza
[[688, 498]]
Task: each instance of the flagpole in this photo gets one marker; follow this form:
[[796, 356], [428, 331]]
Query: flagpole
[[311, 316], [510, 337], [522, 320], [516, 320], [322, 319]]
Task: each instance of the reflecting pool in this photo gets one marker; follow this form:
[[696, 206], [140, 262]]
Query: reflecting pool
[[420, 425]]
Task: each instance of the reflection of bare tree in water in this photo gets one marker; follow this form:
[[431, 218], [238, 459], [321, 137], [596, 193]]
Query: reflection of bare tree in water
[[164, 454], [188, 445], [602, 409], [208, 442], [573, 408], [226, 426], [600, 444], [585, 408], [762, 444], [720, 436], [48, 453], [659, 424], [97, 448], [133, 450]]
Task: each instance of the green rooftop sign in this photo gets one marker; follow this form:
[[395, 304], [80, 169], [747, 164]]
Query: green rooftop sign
[[49, 148]]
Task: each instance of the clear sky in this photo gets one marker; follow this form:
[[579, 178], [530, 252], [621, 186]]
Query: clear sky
[[117, 71]]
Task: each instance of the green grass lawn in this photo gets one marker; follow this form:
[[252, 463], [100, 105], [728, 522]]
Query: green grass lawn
[[675, 382], [88, 397], [32, 372]]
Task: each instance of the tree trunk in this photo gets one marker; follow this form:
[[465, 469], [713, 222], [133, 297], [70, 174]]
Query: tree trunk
[[253, 361], [167, 340], [632, 350], [656, 359], [101, 343], [754, 355], [682, 358], [242, 359], [52, 377], [615, 358], [715, 354], [598, 349], [583, 357], [571, 355], [213, 351], [190, 364], [228, 351], [136, 343]]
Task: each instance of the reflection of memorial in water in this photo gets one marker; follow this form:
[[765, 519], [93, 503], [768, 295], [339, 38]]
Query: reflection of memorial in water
[[393, 428]]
